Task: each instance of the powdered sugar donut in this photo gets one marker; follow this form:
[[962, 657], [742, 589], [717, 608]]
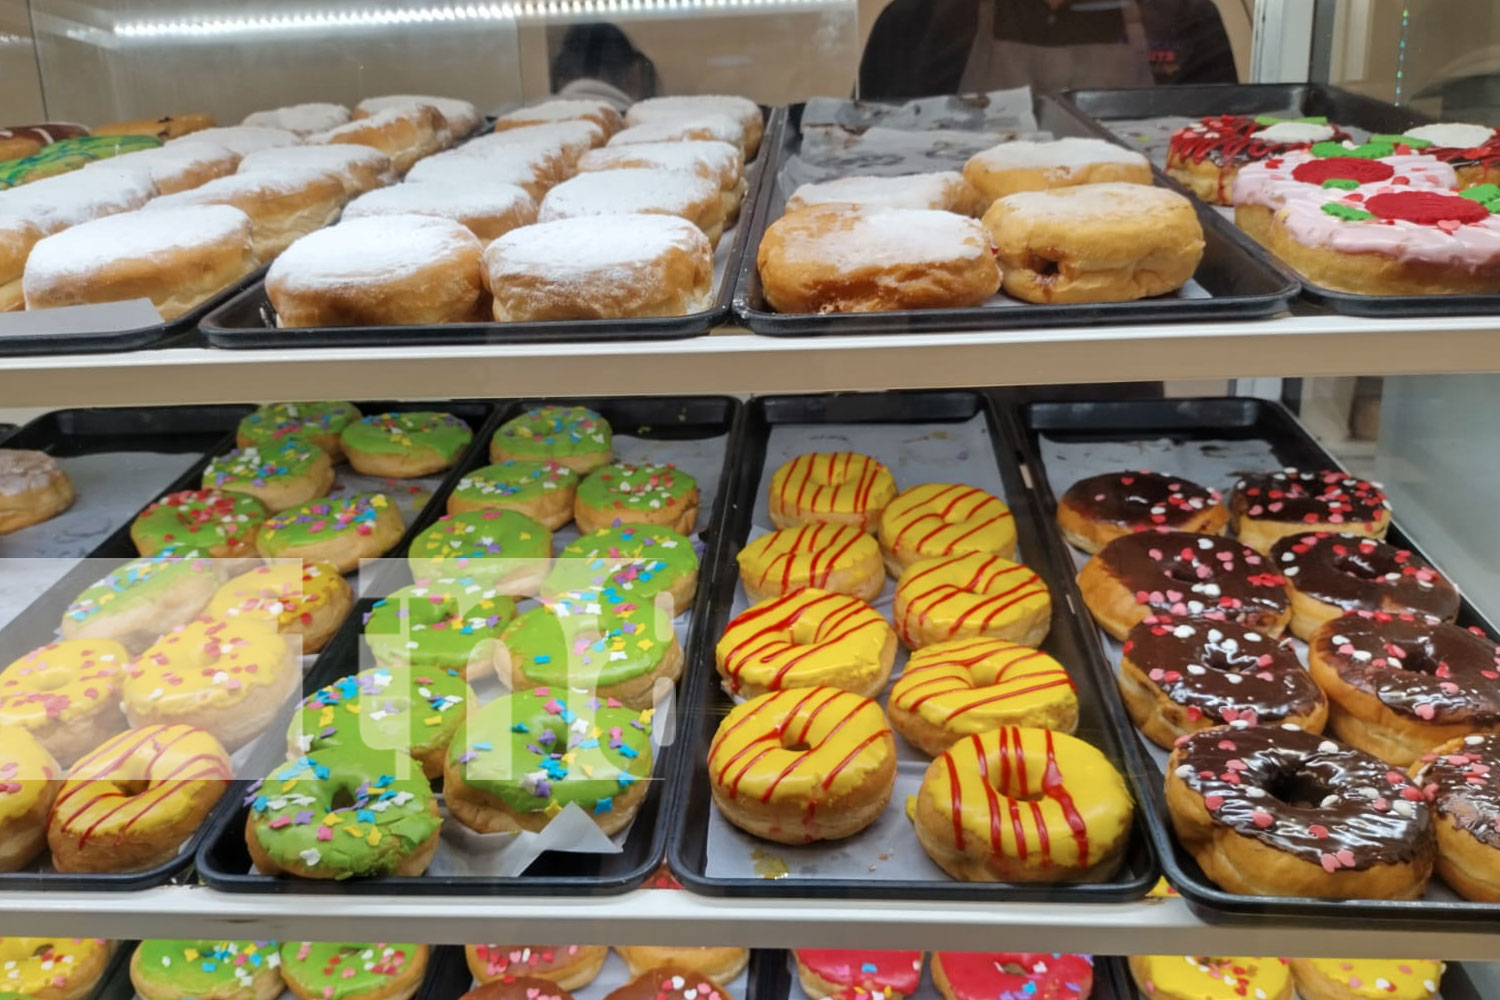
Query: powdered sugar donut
[[945, 191], [642, 191], [405, 134], [745, 112], [180, 166], [55, 203], [718, 161], [243, 139], [600, 113], [569, 139], [535, 168], [460, 117], [1024, 165], [17, 237], [282, 206], [361, 168], [697, 128], [32, 488], [301, 119], [486, 210]]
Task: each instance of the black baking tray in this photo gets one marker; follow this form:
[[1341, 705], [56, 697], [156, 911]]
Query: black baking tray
[[1186, 421], [115, 983], [687, 851], [1241, 283], [248, 320]]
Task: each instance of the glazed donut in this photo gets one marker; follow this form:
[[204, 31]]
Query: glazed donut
[[670, 982], [971, 595], [443, 625], [53, 968], [1329, 575], [386, 823], [835, 972], [968, 975], [745, 112], [634, 562], [129, 804], [318, 423], [1099, 509], [839, 741], [282, 207], [574, 437], [405, 134], [517, 761], [833, 557], [230, 678], [1458, 778], [404, 445], [141, 601], [499, 548], [942, 519], [66, 694], [834, 487], [634, 191], [1399, 685], [1366, 979], [543, 491], [206, 970], [308, 600], [486, 210], [569, 967], [1268, 506], [279, 476], [1275, 811], [1183, 574], [342, 970], [29, 781], [807, 638], [339, 531], [601, 113], [217, 524], [1180, 675], [397, 708], [32, 489], [1206, 156], [518, 988], [1200, 977], [722, 965], [1074, 828], [1023, 165], [649, 493], [361, 168], [955, 689]]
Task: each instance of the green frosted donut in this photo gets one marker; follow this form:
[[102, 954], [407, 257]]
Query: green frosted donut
[[315, 520], [339, 970], [138, 582], [437, 625], [401, 708], [509, 484], [588, 641], [483, 544], [257, 467], [561, 433], [221, 524], [629, 489], [67, 155], [443, 434], [204, 968], [628, 562], [276, 422]]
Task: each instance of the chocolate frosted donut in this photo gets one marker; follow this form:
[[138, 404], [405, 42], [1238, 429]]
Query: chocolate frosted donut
[[1401, 684], [670, 982], [1180, 675], [1100, 508], [1330, 574], [1267, 506], [1182, 573], [1271, 810], [1460, 779], [518, 988]]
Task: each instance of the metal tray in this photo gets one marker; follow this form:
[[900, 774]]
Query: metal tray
[[1185, 421], [687, 851], [1241, 283]]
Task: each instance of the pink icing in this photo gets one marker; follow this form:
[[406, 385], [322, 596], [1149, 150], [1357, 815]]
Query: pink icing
[[1270, 182], [1470, 245]]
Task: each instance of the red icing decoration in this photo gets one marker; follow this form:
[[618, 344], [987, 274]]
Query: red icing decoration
[[899, 970], [981, 975], [1343, 168], [1425, 208]]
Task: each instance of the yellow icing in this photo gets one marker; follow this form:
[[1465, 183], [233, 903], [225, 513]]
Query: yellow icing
[[281, 592], [207, 662], [807, 556], [43, 965], [1383, 979], [25, 769], [812, 486], [967, 595], [1211, 978], [1161, 890], [939, 519], [60, 681], [807, 638], [973, 685]]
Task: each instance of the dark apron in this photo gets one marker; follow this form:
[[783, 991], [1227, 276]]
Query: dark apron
[[998, 64]]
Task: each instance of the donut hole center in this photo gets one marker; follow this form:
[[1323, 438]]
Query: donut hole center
[[799, 746], [1217, 658], [1298, 788], [1357, 566], [1183, 572], [132, 786], [342, 799], [1045, 268], [1417, 658], [51, 680]]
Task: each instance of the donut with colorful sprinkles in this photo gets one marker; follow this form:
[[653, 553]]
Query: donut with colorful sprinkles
[[206, 970], [218, 524], [571, 436], [319, 423], [450, 624], [341, 531], [508, 551], [986, 975], [344, 970], [279, 475], [570, 967], [637, 494], [827, 972], [402, 708], [404, 445]]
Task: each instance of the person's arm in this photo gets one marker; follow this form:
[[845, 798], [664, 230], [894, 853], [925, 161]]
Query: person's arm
[[918, 48]]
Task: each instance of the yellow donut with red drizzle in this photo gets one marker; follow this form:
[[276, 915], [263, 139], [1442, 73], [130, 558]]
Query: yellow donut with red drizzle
[[1459, 778], [988, 975], [969, 595], [832, 487], [52, 968], [827, 972], [1366, 979], [1268, 506], [838, 557], [29, 779], [808, 638], [66, 694], [803, 765], [944, 519], [307, 599], [955, 689], [1024, 805], [1199, 977]]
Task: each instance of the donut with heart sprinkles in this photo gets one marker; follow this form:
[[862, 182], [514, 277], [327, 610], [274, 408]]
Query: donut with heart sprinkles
[[984, 975], [1462, 780], [1100, 508], [509, 987], [1330, 574], [670, 982], [1267, 506]]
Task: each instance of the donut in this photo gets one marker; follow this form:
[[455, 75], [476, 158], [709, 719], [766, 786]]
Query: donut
[[1182, 573], [648, 493], [945, 191], [1458, 779], [308, 600], [29, 781], [1206, 156], [1201, 977], [1097, 510], [521, 759], [500, 548], [838, 972], [404, 445], [719, 162], [968, 975], [165, 127], [944, 519], [971, 595], [568, 139], [279, 476], [344, 970], [1366, 979], [341, 531], [1023, 165], [444, 625], [405, 134], [1401, 684], [141, 601], [1473, 151], [129, 804], [361, 168], [533, 169], [638, 191], [460, 118], [568, 967], [806, 638], [518, 988], [620, 649], [206, 970], [952, 690], [669, 982], [840, 558], [745, 112], [318, 423], [601, 113], [722, 965], [1268, 506], [635, 562], [1074, 826], [543, 491], [53, 968], [301, 119], [220, 525], [402, 708], [1275, 811], [244, 139], [574, 437], [282, 206], [66, 694], [180, 166], [1329, 574], [838, 259], [343, 812], [707, 127], [803, 765], [834, 487], [1180, 675], [486, 210], [17, 236], [67, 155], [228, 677], [57, 203]]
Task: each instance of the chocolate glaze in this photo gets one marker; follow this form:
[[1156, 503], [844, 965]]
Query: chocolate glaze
[[1357, 573], [1186, 573], [1139, 499], [1307, 795], [518, 988], [1229, 140], [1311, 497], [1417, 666], [1464, 786], [1222, 670], [670, 982]]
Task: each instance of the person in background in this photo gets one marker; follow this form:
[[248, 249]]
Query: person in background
[[919, 48], [598, 61]]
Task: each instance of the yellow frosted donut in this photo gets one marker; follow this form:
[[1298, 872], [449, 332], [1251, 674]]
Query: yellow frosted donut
[[840, 558], [29, 779], [838, 487], [52, 968], [310, 599], [962, 596], [1199, 977], [228, 677], [941, 519], [1366, 979], [66, 694], [955, 689], [1024, 805], [806, 639], [804, 765]]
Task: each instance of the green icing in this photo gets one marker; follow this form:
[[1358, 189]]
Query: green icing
[[1487, 195], [1268, 120], [537, 751], [587, 640], [555, 431], [635, 487], [506, 484], [204, 519], [484, 544], [67, 155], [1340, 183], [436, 625], [388, 708], [262, 466], [277, 421], [394, 433], [311, 521], [1409, 141], [626, 562], [195, 968], [337, 970], [1346, 212], [382, 813], [137, 582]]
